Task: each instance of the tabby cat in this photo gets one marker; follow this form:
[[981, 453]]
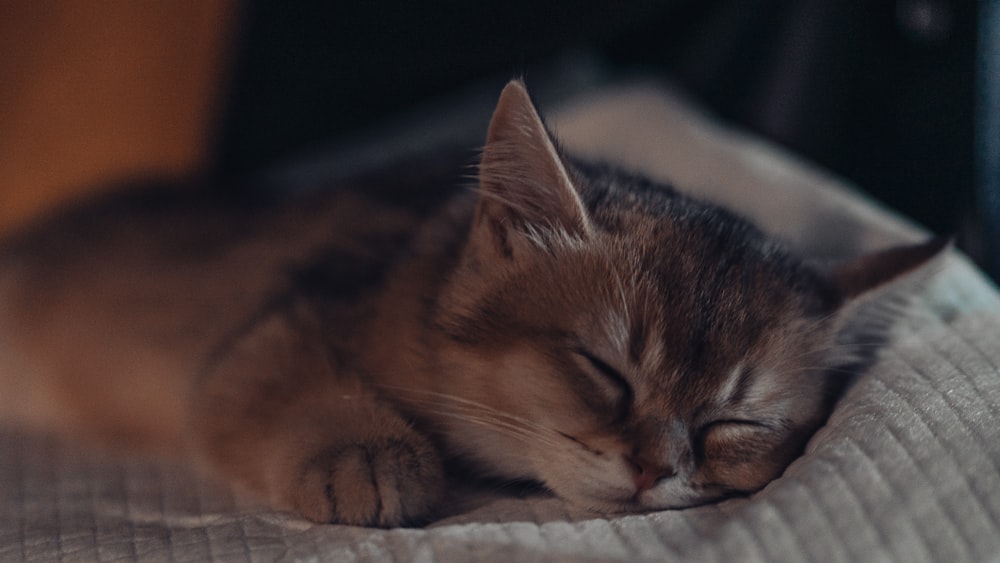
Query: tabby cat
[[625, 346]]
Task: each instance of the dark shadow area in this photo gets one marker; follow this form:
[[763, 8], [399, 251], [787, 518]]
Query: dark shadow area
[[881, 93]]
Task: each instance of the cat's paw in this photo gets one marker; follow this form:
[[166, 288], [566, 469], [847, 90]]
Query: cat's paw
[[390, 482]]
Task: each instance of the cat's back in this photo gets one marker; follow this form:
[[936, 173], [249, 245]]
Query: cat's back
[[108, 309], [178, 252]]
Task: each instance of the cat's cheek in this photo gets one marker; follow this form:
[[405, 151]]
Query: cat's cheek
[[742, 469], [745, 476], [598, 485], [592, 471]]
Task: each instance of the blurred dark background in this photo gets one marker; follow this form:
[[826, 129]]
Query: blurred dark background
[[881, 92], [900, 97]]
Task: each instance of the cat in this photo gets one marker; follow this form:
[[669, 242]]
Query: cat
[[628, 347]]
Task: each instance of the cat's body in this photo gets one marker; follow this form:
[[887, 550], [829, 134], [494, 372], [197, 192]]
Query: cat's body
[[628, 347]]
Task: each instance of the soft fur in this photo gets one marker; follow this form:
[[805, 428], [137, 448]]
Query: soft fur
[[626, 346]]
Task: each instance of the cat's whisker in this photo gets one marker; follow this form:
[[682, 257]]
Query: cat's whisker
[[514, 431], [833, 358], [805, 354], [531, 433], [453, 398], [836, 350], [504, 427], [463, 406]]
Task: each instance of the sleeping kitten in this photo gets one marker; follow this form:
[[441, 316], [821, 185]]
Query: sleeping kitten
[[626, 346]]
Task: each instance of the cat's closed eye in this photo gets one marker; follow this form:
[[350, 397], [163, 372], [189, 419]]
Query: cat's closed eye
[[611, 383]]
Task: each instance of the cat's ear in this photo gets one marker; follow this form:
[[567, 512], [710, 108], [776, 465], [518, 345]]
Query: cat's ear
[[526, 191], [874, 271]]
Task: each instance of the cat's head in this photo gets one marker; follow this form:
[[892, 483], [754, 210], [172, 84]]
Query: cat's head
[[625, 345]]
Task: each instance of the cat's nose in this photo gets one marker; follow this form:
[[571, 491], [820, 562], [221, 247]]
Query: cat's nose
[[647, 474]]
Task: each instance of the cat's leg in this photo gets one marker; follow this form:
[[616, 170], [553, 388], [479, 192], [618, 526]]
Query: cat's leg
[[272, 412]]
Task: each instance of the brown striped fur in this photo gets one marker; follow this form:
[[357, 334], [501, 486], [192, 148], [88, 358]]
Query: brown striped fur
[[628, 347]]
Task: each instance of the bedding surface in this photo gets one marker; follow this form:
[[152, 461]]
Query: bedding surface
[[906, 469]]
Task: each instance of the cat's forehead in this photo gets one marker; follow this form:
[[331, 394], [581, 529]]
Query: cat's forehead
[[687, 301]]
